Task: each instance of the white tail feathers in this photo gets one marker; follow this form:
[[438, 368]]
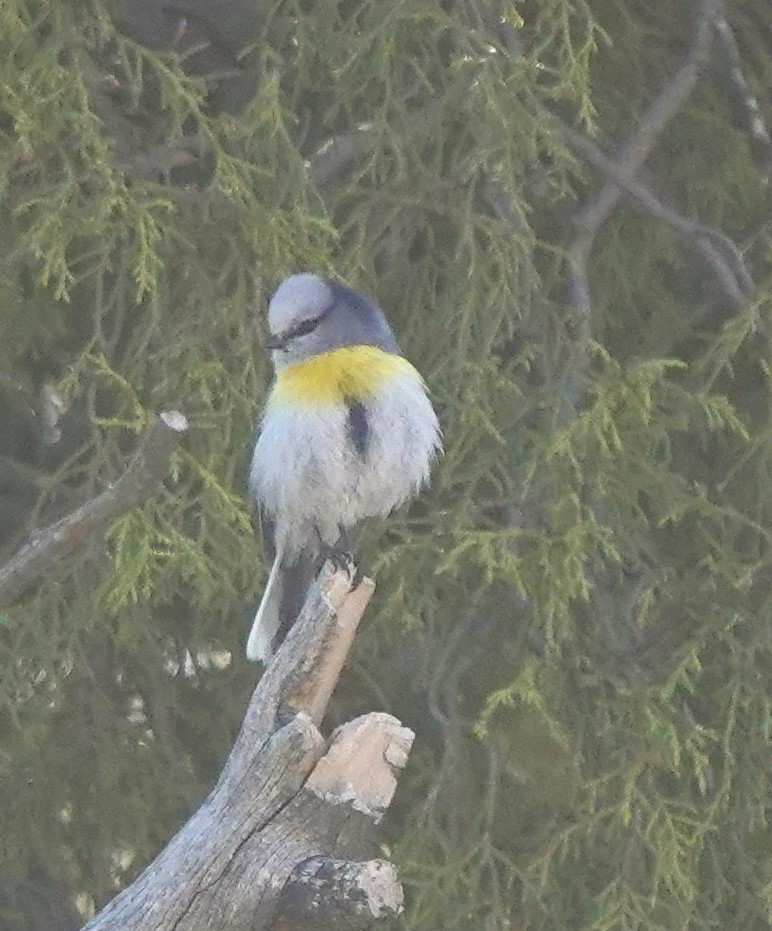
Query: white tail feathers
[[266, 622]]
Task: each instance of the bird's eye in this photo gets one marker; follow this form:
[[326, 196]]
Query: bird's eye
[[304, 328], [280, 341]]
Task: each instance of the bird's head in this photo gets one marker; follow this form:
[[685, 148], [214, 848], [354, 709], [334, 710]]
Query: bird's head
[[308, 315]]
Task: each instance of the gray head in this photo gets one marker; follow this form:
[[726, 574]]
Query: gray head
[[308, 315]]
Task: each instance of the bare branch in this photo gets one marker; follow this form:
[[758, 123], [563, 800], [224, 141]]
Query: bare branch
[[723, 254], [305, 670], [634, 153], [47, 548], [599, 208], [285, 796], [652, 124]]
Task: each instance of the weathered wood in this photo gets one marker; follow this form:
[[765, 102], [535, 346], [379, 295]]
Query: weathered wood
[[349, 896], [285, 796]]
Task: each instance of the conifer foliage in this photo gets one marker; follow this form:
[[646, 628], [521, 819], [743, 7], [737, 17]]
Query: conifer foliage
[[563, 208]]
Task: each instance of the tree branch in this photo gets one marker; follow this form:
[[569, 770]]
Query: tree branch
[[634, 153], [49, 547], [654, 121], [286, 798], [719, 250], [596, 211]]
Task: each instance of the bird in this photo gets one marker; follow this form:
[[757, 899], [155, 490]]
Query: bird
[[348, 432]]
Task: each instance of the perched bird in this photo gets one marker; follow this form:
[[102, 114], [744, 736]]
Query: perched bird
[[348, 432]]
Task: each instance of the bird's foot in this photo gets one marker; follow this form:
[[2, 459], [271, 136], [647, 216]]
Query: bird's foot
[[342, 560], [340, 555]]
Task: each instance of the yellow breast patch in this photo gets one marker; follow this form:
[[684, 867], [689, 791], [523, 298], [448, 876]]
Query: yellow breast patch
[[330, 377]]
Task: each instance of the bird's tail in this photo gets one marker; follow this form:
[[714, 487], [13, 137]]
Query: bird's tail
[[285, 592], [268, 615]]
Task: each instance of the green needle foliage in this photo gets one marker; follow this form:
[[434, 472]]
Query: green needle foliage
[[575, 617]]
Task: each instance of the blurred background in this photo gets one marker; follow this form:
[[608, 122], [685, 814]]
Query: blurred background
[[575, 618]]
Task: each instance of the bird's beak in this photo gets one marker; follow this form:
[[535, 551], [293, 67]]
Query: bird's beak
[[274, 342]]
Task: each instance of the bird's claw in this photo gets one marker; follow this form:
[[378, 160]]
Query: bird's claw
[[341, 559]]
